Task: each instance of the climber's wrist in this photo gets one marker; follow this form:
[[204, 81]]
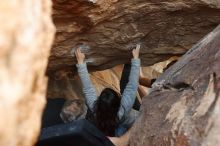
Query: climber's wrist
[[80, 61]]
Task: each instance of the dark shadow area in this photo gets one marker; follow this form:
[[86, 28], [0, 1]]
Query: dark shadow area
[[51, 115], [77, 133]]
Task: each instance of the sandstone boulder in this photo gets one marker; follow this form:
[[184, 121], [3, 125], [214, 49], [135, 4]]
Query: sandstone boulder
[[183, 108], [26, 34], [110, 28], [67, 85]]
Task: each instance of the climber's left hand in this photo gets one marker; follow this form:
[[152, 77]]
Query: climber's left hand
[[80, 56]]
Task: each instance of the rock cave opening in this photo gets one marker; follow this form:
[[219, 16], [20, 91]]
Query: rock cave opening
[[107, 34], [37, 63], [53, 121]]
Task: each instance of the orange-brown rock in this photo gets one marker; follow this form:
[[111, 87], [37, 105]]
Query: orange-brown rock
[[64, 85], [26, 34], [183, 107], [67, 85], [110, 28]]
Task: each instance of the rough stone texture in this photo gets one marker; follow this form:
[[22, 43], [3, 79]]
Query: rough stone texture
[[109, 28], [183, 108], [63, 85], [26, 34], [66, 85]]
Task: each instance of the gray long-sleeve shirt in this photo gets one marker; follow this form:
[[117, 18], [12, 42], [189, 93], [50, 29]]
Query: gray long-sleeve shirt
[[128, 96]]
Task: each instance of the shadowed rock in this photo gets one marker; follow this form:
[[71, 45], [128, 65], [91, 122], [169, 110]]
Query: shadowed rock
[[183, 108], [110, 28]]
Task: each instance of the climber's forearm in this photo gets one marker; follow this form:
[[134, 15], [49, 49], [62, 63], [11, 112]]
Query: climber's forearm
[[121, 141], [142, 92], [145, 82]]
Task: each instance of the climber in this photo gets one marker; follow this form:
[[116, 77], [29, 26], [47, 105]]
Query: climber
[[144, 83], [110, 113]]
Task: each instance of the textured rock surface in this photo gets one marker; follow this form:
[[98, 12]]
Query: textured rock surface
[[66, 85], [63, 85], [111, 27], [183, 109], [26, 33]]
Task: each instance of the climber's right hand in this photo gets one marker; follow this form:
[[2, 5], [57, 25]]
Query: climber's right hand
[[79, 56], [136, 51]]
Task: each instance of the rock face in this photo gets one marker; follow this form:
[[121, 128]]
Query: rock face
[[70, 87], [26, 34], [183, 108], [67, 85], [110, 28], [63, 85]]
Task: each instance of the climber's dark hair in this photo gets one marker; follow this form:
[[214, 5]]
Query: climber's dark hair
[[106, 110]]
